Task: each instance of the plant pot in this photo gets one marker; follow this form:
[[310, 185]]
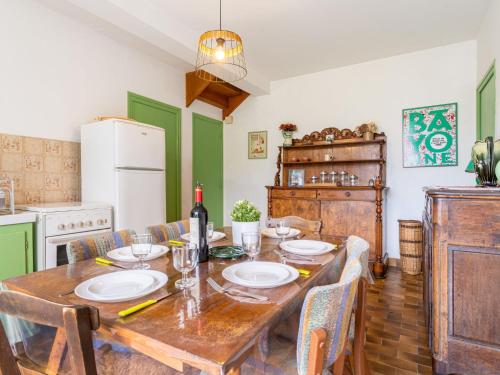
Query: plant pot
[[287, 138], [243, 227]]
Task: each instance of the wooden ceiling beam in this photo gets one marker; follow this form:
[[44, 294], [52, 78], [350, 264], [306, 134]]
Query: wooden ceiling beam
[[194, 87], [233, 103], [219, 94]]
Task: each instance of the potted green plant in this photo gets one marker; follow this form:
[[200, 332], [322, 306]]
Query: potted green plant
[[246, 219]]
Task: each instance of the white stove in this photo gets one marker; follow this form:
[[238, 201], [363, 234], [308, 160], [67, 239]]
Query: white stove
[[61, 223]]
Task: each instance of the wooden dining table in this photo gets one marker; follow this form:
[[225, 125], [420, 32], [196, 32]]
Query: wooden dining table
[[199, 327]]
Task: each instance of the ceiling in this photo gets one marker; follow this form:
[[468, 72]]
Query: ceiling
[[286, 38]]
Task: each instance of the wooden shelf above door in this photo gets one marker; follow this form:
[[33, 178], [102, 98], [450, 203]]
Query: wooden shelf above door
[[222, 95]]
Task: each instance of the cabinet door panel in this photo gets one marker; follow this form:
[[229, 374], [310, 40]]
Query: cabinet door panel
[[307, 209], [345, 218], [13, 252]]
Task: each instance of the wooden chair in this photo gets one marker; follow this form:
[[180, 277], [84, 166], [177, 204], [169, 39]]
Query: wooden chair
[[71, 349], [306, 226], [359, 248], [97, 245], [323, 331], [169, 231]]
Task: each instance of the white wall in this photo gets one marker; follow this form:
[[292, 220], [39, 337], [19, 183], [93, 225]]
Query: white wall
[[346, 97], [58, 73], [488, 49]]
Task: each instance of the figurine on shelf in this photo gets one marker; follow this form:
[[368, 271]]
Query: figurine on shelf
[[287, 132]]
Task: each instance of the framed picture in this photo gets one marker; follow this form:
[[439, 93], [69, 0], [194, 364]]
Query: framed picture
[[296, 177], [257, 145], [430, 136]]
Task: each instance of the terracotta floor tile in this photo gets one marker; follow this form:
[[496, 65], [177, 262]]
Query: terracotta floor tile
[[396, 342]]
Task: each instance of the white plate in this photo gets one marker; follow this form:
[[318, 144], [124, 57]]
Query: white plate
[[307, 247], [271, 232], [124, 254], [118, 285], [261, 273], [263, 276], [215, 237], [82, 289]]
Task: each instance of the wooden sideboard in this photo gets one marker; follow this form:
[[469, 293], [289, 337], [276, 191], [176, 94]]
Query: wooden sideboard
[[344, 207], [462, 279], [342, 210]]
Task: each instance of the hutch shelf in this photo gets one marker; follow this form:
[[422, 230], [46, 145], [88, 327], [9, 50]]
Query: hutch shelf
[[346, 208]]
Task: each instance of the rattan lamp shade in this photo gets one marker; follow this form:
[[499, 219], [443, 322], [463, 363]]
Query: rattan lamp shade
[[220, 57]]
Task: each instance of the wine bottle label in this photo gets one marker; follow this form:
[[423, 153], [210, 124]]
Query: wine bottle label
[[194, 230]]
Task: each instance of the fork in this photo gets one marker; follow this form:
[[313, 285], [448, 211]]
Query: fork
[[230, 290], [294, 256]]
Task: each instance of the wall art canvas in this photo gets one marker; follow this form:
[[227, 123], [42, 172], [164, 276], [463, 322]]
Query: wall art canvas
[[430, 136], [257, 145]]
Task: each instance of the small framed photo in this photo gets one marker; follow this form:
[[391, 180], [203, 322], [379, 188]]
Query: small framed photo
[[296, 177], [257, 145]]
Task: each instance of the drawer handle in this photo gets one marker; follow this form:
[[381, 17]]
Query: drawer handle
[[347, 193], [292, 193]]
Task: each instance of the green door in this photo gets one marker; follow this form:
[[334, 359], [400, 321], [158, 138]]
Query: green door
[[165, 116], [486, 98], [208, 164], [16, 250]]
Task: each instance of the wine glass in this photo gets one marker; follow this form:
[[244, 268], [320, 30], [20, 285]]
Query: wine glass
[[141, 247], [251, 244], [185, 260], [282, 229], [210, 230]]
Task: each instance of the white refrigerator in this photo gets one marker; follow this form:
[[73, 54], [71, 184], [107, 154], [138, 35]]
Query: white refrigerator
[[123, 164]]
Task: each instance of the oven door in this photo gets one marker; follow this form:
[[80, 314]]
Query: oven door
[[55, 247]]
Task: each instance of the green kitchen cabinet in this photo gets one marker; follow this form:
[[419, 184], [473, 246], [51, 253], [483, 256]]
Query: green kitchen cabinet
[[16, 250]]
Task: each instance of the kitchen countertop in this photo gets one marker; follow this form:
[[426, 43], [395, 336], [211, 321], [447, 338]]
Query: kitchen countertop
[[19, 217]]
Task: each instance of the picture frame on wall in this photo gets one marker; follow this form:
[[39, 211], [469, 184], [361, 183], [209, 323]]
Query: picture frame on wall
[[296, 177], [430, 136], [257, 145]]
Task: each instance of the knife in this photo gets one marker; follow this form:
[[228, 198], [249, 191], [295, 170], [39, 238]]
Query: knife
[[106, 262], [143, 305]]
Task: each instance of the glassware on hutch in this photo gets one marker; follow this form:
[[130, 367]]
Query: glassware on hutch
[[314, 179], [185, 259], [354, 180], [141, 248], [343, 178], [250, 242], [334, 177], [323, 177], [282, 229]]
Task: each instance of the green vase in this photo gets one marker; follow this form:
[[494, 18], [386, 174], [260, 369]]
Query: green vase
[[497, 172]]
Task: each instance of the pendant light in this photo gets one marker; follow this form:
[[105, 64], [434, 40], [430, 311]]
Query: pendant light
[[220, 55]]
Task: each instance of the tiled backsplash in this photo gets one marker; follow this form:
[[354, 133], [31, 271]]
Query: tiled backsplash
[[44, 170]]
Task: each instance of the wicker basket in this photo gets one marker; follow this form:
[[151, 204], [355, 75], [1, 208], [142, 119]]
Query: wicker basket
[[410, 246]]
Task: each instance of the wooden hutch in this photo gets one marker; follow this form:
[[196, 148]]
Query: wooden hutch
[[344, 209]]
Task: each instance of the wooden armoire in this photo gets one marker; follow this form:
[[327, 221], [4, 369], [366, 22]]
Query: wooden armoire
[[462, 278], [343, 208]]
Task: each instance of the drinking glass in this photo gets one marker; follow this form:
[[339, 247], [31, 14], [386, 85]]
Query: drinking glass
[[210, 230], [141, 247], [282, 229], [251, 244], [185, 260]]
